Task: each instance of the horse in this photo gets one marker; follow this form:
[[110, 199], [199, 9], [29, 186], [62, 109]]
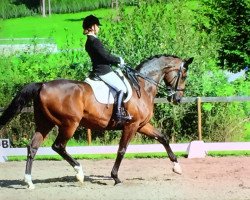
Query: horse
[[68, 104]]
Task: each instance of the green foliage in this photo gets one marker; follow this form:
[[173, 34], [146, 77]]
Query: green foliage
[[25, 68], [68, 6], [230, 19], [247, 132], [12, 9], [221, 118], [22, 8], [149, 30], [19, 130]]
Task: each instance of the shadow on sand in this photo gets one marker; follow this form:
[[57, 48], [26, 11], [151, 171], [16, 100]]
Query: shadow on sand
[[20, 184]]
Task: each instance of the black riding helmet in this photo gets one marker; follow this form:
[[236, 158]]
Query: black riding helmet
[[90, 21]]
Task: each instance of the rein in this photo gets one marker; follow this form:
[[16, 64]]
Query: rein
[[133, 74]]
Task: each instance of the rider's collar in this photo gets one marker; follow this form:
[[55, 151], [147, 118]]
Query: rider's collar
[[92, 34]]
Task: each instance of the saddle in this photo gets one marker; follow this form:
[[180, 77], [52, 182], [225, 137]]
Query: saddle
[[104, 93]]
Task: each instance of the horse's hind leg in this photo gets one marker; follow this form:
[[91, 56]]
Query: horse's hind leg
[[59, 146], [40, 134], [151, 132]]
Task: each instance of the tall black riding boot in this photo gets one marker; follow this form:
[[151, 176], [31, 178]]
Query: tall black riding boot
[[121, 114]]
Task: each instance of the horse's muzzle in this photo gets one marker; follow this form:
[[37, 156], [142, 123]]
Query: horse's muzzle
[[175, 99]]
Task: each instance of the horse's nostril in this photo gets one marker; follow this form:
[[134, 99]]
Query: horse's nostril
[[177, 99]]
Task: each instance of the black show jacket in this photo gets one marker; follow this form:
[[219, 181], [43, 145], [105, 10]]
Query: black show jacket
[[100, 57]]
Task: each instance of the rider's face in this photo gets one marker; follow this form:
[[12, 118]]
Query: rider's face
[[96, 29]]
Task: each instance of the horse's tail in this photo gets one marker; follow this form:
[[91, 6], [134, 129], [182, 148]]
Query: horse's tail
[[28, 93]]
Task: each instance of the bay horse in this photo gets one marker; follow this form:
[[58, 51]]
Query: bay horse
[[68, 104]]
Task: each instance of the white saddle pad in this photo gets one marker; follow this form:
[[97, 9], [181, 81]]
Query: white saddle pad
[[104, 93]]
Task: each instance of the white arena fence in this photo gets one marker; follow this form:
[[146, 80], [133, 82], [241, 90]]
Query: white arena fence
[[195, 149], [29, 45]]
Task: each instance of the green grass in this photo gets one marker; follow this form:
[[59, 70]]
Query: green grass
[[63, 28], [98, 156], [228, 153], [131, 155]]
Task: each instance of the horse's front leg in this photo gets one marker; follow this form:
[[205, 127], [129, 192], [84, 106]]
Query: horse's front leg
[[127, 135], [152, 132]]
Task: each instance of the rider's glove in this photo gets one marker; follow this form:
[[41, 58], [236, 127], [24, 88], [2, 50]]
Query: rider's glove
[[122, 63]]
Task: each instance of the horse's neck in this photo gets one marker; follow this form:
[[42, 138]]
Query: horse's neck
[[153, 70]]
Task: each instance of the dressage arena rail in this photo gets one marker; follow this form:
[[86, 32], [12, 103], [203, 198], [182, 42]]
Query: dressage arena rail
[[199, 146], [195, 149]]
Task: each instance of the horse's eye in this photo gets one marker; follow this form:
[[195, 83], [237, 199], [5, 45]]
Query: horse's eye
[[184, 78]]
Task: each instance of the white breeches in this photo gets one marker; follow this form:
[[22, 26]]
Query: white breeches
[[114, 81]]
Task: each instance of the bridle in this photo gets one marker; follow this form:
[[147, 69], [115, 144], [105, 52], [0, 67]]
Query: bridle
[[172, 90]]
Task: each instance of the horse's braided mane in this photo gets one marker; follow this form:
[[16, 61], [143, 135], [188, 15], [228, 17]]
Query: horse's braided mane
[[152, 57]]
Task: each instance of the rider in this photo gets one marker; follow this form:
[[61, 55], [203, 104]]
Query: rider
[[102, 60]]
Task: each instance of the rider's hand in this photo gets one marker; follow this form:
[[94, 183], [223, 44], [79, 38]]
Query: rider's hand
[[122, 63]]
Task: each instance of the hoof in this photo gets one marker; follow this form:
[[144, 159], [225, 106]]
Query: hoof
[[177, 168], [28, 181], [118, 184], [79, 174], [80, 178], [117, 181], [31, 186]]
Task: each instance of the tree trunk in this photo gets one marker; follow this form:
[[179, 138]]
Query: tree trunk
[[43, 7], [49, 7]]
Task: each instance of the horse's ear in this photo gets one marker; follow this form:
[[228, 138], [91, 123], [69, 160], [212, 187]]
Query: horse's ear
[[188, 62]]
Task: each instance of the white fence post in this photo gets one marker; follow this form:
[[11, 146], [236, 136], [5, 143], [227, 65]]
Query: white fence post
[[196, 149]]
